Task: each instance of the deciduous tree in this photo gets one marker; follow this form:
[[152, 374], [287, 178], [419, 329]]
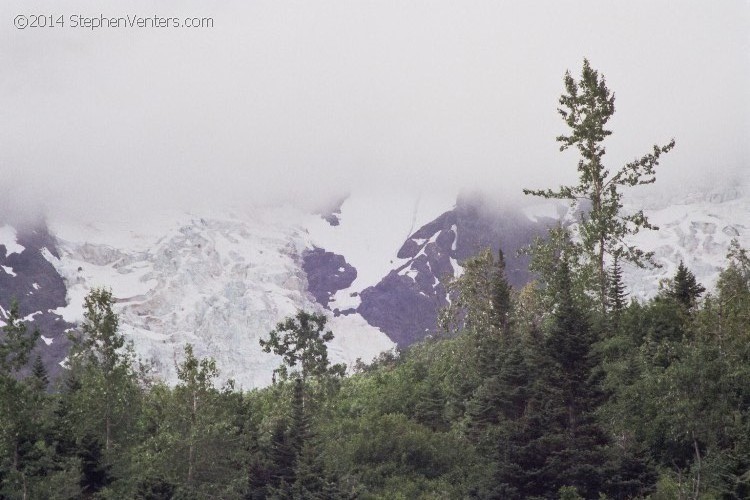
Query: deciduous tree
[[586, 108]]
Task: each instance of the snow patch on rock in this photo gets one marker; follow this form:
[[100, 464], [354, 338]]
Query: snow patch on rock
[[9, 239]]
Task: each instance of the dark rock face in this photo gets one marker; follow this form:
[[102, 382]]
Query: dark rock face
[[39, 290], [332, 219], [398, 307], [332, 213], [327, 273], [405, 303]]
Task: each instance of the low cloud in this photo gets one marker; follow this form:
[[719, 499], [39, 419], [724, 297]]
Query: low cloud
[[303, 101]]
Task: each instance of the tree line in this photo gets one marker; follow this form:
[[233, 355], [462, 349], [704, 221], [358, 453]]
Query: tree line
[[515, 400]]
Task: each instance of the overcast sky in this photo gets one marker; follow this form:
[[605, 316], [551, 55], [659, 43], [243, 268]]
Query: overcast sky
[[307, 100]]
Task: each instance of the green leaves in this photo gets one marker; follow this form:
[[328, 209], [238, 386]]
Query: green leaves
[[586, 108], [301, 341], [16, 342]]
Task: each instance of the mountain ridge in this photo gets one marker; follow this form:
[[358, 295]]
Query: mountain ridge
[[222, 281]]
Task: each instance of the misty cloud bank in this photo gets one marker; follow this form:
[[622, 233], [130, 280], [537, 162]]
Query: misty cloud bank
[[304, 101]]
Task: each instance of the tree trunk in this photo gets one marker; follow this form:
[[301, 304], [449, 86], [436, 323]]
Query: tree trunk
[[107, 430], [16, 460], [191, 448], [107, 415], [697, 490]]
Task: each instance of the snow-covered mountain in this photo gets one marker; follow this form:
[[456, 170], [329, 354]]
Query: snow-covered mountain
[[696, 228], [376, 265], [219, 282]]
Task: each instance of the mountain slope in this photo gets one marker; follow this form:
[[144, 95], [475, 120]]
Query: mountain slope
[[219, 283], [28, 277], [377, 266]]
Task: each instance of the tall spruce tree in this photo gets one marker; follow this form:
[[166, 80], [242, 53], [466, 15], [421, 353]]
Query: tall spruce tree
[[16, 343], [586, 107], [685, 289], [560, 442], [617, 294], [501, 294]]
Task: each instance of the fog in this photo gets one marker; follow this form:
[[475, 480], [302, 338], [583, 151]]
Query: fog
[[304, 101]]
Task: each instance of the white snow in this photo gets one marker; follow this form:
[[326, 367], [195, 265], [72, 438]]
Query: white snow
[[457, 268], [9, 270], [354, 339], [696, 227], [345, 299], [220, 282], [698, 232], [30, 317], [8, 237], [409, 272], [372, 228]]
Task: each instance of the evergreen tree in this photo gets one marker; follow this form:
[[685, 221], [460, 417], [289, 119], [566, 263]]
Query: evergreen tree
[[299, 427], [480, 297], [500, 402], [586, 107], [95, 472], [283, 458], [16, 404], [481, 305], [501, 295], [559, 441], [617, 294], [39, 375], [429, 408], [685, 288], [16, 342], [154, 488]]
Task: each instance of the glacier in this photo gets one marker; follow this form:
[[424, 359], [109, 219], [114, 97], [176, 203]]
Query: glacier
[[220, 282]]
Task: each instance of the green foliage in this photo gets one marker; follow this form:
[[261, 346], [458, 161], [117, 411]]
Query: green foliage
[[102, 364], [479, 301], [559, 442], [586, 108], [541, 405], [19, 404], [546, 255], [192, 433], [617, 294], [569, 493], [16, 342], [685, 289], [95, 472], [301, 340]]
